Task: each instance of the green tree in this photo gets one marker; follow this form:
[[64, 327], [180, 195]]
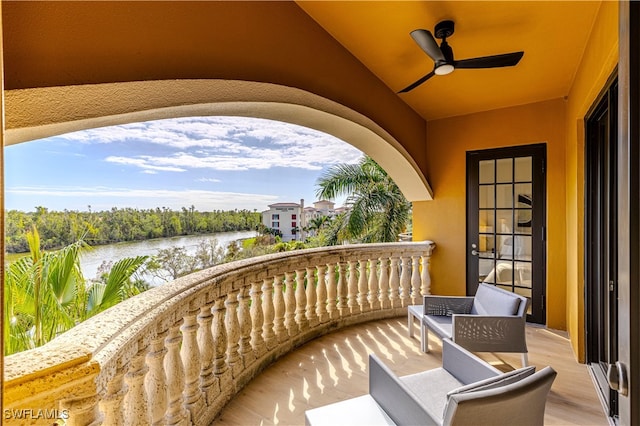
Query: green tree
[[46, 294], [377, 209], [40, 290]]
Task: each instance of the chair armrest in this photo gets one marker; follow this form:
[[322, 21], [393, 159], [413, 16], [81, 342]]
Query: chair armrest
[[485, 333], [447, 305], [395, 398], [465, 366]]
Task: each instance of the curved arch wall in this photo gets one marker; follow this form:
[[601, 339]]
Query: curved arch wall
[[97, 63]]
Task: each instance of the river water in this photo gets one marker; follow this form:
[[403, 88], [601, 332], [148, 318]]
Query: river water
[[90, 260]]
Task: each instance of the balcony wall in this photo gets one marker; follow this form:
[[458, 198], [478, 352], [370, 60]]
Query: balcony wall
[[178, 353]]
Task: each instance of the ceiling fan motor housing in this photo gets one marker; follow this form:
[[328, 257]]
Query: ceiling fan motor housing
[[444, 29]]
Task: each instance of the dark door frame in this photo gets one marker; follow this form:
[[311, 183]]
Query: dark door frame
[[629, 209], [539, 221], [601, 240]]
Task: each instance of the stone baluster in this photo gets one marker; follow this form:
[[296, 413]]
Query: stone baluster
[[405, 281], [84, 410], [343, 309], [416, 296], [244, 316], [257, 320], [280, 309], [208, 380], [156, 380], [219, 331], [394, 284], [374, 296], [312, 300], [363, 287], [426, 275], [321, 294], [112, 403], [290, 305], [176, 413], [233, 334], [190, 354], [332, 294], [269, 336], [352, 296], [384, 283], [301, 301], [136, 409]]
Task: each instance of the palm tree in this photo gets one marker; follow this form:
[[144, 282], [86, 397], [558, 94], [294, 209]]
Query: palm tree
[[377, 210], [46, 294], [40, 291], [317, 224]]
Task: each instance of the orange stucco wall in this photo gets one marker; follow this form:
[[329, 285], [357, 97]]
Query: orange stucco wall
[[443, 219], [94, 42], [559, 123], [598, 64]]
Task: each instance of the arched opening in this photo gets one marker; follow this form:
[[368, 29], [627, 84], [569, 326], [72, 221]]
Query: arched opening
[[38, 113]]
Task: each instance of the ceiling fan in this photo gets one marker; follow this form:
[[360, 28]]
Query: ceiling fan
[[443, 55]]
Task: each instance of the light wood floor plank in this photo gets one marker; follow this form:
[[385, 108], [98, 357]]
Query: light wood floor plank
[[334, 367]]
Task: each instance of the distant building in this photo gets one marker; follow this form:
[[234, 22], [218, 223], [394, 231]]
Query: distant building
[[320, 209], [285, 218], [291, 220]]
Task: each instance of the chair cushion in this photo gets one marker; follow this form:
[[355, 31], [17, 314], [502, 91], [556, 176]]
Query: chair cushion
[[489, 300], [431, 387], [440, 325], [495, 382]]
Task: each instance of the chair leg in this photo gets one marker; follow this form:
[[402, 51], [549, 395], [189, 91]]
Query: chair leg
[[525, 359], [410, 323], [424, 338]]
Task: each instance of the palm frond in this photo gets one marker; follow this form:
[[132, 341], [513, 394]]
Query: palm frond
[[114, 290]]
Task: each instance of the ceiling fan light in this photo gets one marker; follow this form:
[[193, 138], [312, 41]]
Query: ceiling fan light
[[444, 69]]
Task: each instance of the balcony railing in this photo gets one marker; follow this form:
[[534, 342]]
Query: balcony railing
[[178, 353]]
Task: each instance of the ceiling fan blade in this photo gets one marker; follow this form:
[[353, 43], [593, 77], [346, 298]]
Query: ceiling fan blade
[[418, 83], [425, 40], [495, 61]]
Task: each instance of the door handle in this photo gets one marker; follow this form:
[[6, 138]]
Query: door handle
[[475, 252], [617, 378]]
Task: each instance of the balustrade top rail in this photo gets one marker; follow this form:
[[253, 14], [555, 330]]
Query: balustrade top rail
[[177, 353]]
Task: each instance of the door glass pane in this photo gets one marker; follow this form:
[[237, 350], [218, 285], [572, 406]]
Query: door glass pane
[[504, 272], [485, 268], [504, 196], [523, 168], [487, 171], [524, 204], [504, 170], [486, 221], [486, 200], [504, 221], [523, 194], [486, 245], [522, 247], [523, 275]]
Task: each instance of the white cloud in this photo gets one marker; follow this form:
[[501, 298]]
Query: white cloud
[[220, 143], [145, 198], [142, 163]]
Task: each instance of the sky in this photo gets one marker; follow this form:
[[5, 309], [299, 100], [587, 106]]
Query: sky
[[212, 163]]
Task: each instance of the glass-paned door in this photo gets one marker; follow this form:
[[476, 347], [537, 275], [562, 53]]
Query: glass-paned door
[[505, 222], [601, 244]]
